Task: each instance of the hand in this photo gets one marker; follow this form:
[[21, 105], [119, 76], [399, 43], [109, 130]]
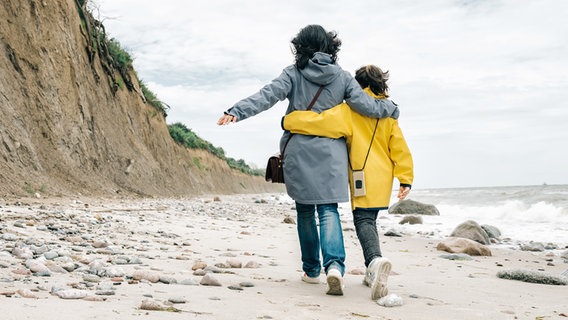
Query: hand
[[226, 119], [403, 192]]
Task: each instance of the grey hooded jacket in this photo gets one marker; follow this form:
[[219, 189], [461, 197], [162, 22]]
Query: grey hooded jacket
[[315, 168]]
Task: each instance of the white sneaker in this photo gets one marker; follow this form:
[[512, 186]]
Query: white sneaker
[[376, 277], [369, 274], [334, 282], [309, 279]]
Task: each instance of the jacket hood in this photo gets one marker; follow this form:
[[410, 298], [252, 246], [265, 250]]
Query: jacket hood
[[321, 69], [372, 94]]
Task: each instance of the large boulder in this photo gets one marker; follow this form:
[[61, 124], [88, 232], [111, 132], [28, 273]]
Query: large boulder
[[413, 207], [492, 232], [463, 245], [471, 230]]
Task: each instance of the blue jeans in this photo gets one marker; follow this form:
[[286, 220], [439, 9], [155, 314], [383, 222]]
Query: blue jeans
[[365, 221], [331, 235]]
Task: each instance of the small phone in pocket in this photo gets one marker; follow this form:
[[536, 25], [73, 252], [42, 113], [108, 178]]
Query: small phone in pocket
[[359, 183]]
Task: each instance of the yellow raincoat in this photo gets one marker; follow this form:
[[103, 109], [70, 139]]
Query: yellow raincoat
[[389, 155]]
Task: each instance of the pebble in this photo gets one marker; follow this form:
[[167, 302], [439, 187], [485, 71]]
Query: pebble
[[94, 298], [209, 280], [390, 300], [71, 294], [393, 233], [234, 264], [19, 224], [213, 269], [177, 300], [199, 272], [167, 280], [26, 293], [105, 292], [235, 288], [114, 272], [91, 278], [7, 293], [22, 272], [289, 220], [153, 305], [199, 265], [50, 255], [9, 237], [146, 275], [53, 267]]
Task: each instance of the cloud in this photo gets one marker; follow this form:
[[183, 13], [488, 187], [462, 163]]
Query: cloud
[[481, 84]]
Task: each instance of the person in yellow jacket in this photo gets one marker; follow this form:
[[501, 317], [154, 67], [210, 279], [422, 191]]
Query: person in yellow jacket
[[378, 152]]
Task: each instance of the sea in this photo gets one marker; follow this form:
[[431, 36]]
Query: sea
[[522, 213]]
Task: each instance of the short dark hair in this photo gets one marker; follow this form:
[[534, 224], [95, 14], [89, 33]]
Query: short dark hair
[[311, 39], [373, 77]]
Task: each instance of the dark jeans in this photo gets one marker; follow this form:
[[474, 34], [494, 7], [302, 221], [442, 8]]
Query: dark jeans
[[365, 221]]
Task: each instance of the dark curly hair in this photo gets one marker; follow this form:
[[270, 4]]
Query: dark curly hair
[[373, 77], [311, 39]]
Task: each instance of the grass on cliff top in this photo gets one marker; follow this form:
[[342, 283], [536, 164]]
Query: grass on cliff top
[[112, 52], [184, 136], [179, 132]]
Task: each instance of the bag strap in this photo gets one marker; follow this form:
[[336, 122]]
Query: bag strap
[[368, 150], [309, 108]]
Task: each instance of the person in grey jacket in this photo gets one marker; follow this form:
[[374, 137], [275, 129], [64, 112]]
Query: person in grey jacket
[[315, 168]]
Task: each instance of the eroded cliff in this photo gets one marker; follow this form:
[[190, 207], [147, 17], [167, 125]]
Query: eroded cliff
[[67, 127]]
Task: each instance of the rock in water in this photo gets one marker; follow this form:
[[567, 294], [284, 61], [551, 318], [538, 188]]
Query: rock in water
[[413, 207], [492, 232], [411, 219], [471, 230]]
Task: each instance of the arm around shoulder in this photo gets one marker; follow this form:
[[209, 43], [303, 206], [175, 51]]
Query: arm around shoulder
[[368, 106], [332, 123]]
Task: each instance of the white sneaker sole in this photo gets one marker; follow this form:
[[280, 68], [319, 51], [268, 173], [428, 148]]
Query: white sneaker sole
[[334, 284], [379, 288]]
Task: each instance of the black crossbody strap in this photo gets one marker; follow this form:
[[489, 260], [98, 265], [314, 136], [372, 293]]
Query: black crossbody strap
[[369, 150], [309, 108]]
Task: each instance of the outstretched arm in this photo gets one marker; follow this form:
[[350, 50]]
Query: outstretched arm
[[265, 98], [226, 119]]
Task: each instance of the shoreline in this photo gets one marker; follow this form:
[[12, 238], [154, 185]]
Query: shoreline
[[258, 266]]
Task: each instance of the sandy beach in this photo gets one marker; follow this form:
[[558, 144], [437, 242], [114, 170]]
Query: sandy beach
[[235, 257]]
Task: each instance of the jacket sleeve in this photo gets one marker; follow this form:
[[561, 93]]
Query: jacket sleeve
[[332, 123], [264, 99], [366, 105], [401, 156]]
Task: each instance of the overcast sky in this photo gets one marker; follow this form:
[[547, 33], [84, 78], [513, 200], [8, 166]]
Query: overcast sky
[[482, 85]]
